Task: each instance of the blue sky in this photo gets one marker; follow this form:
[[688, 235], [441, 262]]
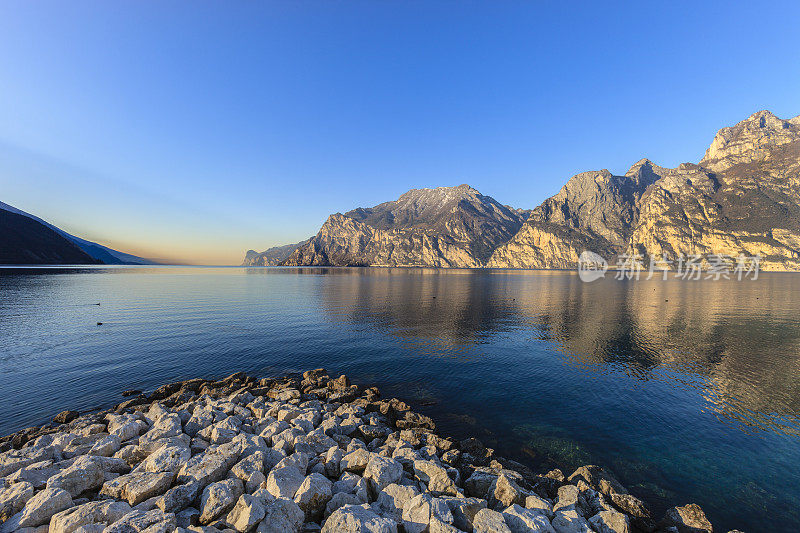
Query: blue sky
[[194, 131]]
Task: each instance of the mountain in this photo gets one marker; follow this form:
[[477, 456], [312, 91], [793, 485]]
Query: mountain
[[99, 252], [593, 211], [25, 241], [742, 197], [272, 256], [442, 227]]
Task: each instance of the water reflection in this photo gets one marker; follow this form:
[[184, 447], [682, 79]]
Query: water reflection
[[737, 342], [687, 390]]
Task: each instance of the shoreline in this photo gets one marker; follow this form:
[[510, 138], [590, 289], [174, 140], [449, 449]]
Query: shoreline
[[291, 454]]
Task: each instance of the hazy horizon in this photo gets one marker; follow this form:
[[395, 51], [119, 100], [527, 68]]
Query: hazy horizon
[[193, 136]]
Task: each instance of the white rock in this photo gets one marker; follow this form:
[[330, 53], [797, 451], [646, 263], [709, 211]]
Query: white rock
[[106, 447], [358, 519], [488, 521], [218, 498], [13, 499], [166, 459], [137, 487], [508, 492], [250, 464], [313, 495], [355, 461], [333, 459], [254, 482], [153, 521], [168, 425], [179, 497], [393, 498], [381, 472], [435, 477], [464, 511], [610, 522], [283, 481], [200, 419], [208, 467], [362, 490], [340, 499], [569, 521], [346, 483], [437, 526], [39, 509], [479, 483], [84, 474], [534, 502], [418, 511], [126, 427], [281, 516], [246, 513], [104, 512], [37, 474], [521, 520]]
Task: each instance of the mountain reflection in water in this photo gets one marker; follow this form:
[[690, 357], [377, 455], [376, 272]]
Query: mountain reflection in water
[[736, 342], [687, 390]]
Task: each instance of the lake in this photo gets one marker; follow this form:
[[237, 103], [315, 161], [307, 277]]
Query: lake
[[689, 391]]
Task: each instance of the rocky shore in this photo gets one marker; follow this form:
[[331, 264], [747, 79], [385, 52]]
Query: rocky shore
[[292, 455]]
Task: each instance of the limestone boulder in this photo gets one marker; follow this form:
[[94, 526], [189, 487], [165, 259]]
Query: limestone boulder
[[358, 519]]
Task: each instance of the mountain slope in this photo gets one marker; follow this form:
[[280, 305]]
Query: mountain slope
[[593, 211], [272, 256], [442, 227], [24, 241], [742, 198], [102, 253]]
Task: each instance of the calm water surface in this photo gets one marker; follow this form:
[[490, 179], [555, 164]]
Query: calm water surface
[[688, 391]]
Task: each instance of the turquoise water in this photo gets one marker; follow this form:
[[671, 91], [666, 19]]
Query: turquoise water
[[689, 391]]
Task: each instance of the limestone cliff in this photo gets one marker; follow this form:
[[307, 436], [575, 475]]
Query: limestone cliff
[[442, 227], [742, 198]]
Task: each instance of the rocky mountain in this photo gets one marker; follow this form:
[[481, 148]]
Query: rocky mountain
[[100, 253], [743, 197], [442, 227], [24, 241], [272, 256]]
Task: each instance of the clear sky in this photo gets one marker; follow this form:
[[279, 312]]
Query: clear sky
[[196, 130]]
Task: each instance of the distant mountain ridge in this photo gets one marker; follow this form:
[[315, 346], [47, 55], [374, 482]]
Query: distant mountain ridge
[[97, 252], [442, 227], [272, 256], [24, 241], [743, 197]]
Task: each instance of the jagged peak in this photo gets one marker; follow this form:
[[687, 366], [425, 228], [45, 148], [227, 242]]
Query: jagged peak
[[749, 140], [639, 166], [765, 114], [760, 120], [452, 191]]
